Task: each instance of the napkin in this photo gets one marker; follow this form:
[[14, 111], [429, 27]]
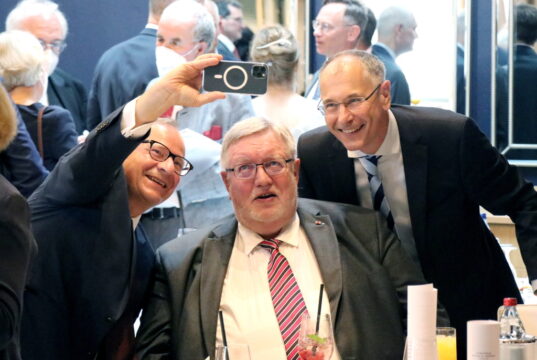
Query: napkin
[[483, 340], [421, 332]]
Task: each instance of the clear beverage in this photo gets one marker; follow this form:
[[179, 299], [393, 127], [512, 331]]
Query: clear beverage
[[312, 344]]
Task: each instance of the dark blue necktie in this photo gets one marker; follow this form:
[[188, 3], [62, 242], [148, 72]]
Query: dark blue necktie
[[380, 203]]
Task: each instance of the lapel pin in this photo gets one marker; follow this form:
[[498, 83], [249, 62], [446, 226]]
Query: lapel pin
[[318, 222]]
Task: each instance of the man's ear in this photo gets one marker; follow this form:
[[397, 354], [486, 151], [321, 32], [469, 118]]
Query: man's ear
[[296, 168], [353, 33], [203, 48], [385, 92], [223, 175]]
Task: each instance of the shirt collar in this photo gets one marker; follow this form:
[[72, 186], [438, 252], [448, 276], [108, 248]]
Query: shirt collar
[[249, 240], [227, 42], [135, 221], [151, 26], [391, 144]]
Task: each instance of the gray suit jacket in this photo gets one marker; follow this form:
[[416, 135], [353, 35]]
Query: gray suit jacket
[[363, 266]]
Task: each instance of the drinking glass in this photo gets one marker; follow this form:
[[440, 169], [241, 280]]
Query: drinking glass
[[312, 344], [446, 342], [232, 352]]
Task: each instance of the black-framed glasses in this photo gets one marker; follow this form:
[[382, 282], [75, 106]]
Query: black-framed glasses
[[352, 104], [272, 167], [56, 46], [159, 152]]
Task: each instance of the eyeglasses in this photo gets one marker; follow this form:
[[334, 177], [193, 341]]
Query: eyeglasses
[[56, 46], [352, 104], [323, 27], [272, 167], [159, 152]]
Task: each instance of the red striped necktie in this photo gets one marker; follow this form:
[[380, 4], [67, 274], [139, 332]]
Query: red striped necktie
[[287, 299]]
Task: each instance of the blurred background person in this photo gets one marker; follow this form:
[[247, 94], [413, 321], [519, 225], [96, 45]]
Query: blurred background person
[[337, 27], [22, 66], [231, 25], [277, 47], [244, 43], [17, 244], [47, 23], [396, 35], [364, 42], [123, 71]]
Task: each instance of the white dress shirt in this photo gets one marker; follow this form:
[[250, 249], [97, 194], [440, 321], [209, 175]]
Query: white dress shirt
[[246, 302], [391, 173]]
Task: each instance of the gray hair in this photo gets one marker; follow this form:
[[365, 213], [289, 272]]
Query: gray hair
[[276, 46], [204, 30], [21, 59], [391, 17], [29, 8], [372, 64], [253, 126]]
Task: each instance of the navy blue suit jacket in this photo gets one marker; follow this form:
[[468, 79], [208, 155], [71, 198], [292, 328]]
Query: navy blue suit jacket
[[59, 134], [224, 51], [399, 90], [82, 278], [450, 170], [20, 162], [69, 93], [122, 74]]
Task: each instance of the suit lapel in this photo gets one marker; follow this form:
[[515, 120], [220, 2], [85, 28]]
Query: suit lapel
[[216, 253], [324, 243], [341, 171], [415, 165]]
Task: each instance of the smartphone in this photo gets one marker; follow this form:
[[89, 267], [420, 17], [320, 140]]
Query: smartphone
[[236, 77]]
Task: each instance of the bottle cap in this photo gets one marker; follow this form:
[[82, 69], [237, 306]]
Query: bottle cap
[[509, 302]]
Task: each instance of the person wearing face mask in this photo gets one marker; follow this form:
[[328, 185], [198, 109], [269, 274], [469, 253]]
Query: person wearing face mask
[[21, 64], [47, 23], [187, 30]]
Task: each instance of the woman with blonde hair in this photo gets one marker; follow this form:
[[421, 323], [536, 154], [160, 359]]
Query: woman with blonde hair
[[277, 47], [21, 65]]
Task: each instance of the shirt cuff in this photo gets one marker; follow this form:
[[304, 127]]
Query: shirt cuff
[[128, 122], [534, 286]]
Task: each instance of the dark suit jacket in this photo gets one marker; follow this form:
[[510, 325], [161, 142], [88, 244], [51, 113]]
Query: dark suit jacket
[[224, 51], [399, 90], [81, 281], [58, 130], [450, 169], [17, 246], [20, 162], [69, 93], [122, 74], [362, 265]]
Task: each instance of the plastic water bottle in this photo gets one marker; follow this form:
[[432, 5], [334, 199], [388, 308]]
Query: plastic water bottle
[[511, 327]]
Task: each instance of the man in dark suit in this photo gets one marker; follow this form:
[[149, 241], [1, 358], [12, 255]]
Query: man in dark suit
[[337, 27], [90, 278], [224, 266], [124, 70], [17, 244], [436, 169], [46, 22], [230, 28], [396, 35]]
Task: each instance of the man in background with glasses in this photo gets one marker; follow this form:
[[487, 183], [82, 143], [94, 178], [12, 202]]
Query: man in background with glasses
[[230, 25], [89, 280], [426, 171], [336, 28], [47, 23], [232, 266]]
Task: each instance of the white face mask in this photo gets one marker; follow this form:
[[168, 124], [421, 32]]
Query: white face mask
[[167, 60], [51, 61]]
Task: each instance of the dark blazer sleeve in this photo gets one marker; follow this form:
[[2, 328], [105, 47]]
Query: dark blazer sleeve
[[87, 172], [498, 187], [21, 164], [16, 248]]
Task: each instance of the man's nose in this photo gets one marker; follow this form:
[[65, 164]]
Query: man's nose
[[261, 176], [167, 165]]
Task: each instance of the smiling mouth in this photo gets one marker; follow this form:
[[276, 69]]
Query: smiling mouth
[[353, 130], [154, 179], [265, 196]]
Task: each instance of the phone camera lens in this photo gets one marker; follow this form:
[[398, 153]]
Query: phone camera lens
[[259, 72]]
